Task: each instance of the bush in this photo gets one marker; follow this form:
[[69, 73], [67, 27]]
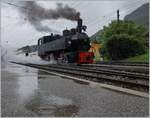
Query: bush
[[123, 46], [122, 40]]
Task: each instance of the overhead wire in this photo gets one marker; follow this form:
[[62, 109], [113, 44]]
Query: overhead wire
[[102, 19], [121, 8], [111, 13]]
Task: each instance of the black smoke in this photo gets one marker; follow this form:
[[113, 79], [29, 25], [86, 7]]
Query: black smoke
[[36, 14]]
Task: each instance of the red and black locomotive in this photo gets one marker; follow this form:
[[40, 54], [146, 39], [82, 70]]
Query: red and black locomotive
[[71, 47]]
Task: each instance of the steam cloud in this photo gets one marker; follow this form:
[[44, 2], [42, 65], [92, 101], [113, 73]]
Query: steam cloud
[[35, 14]]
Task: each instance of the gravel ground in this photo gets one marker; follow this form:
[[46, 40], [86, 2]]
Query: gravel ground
[[31, 92]]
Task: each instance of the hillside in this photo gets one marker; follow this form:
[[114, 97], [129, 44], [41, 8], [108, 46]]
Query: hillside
[[140, 15], [95, 36]]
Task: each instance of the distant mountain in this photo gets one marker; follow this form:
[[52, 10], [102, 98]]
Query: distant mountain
[[96, 36], [140, 15]]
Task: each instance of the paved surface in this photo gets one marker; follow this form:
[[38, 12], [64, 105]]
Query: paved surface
[[31, 92]]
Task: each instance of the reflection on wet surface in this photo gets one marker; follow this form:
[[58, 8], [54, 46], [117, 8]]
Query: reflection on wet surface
[[31, 97], [66, 111], [52, 106], [31, 92], [48, 104], [27, 87]]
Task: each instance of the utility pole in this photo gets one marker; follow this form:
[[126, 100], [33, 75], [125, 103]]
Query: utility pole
[[118, 16]]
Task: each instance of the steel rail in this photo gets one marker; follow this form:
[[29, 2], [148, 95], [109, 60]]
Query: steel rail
[[103, 78], [123, 68]]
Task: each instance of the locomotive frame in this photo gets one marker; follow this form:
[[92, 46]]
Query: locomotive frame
[[71, 47]]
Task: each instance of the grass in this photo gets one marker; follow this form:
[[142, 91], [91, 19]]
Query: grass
[[144, 58], [139, 58]]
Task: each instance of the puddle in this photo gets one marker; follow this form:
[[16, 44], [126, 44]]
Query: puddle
[[27, 86], [55, 100], [66, 111], [21, 70], [38, 101], [53, 106]]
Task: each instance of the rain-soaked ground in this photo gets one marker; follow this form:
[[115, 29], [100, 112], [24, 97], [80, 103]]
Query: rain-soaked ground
[[31, 92]]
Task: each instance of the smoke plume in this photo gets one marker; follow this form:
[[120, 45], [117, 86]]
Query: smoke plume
[[35, 14]]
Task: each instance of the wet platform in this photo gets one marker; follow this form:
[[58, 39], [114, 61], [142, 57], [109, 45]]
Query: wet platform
[[32, 92]]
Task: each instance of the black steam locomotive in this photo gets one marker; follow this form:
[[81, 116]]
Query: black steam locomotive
[[71, 47]]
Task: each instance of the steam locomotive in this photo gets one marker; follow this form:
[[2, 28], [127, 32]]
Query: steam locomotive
[[71, 47]]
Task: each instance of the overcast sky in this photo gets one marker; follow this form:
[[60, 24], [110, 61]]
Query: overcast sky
[[95, 14]]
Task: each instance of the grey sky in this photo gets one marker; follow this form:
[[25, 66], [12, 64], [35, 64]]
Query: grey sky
[[95, 14]]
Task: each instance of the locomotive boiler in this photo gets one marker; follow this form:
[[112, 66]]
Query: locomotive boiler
[[70, 47]]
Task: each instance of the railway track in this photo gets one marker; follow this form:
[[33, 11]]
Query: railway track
[[123, 63], [134, 69], [132, 81], [113, 72]]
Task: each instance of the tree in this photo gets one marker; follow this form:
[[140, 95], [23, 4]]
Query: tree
[[122, 40]]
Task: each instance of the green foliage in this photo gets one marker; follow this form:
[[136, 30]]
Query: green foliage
[[122, 40], [140, 58], [123, 46]]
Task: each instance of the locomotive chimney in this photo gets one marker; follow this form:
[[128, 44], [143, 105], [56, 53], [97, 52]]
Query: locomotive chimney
[[79, 26]]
